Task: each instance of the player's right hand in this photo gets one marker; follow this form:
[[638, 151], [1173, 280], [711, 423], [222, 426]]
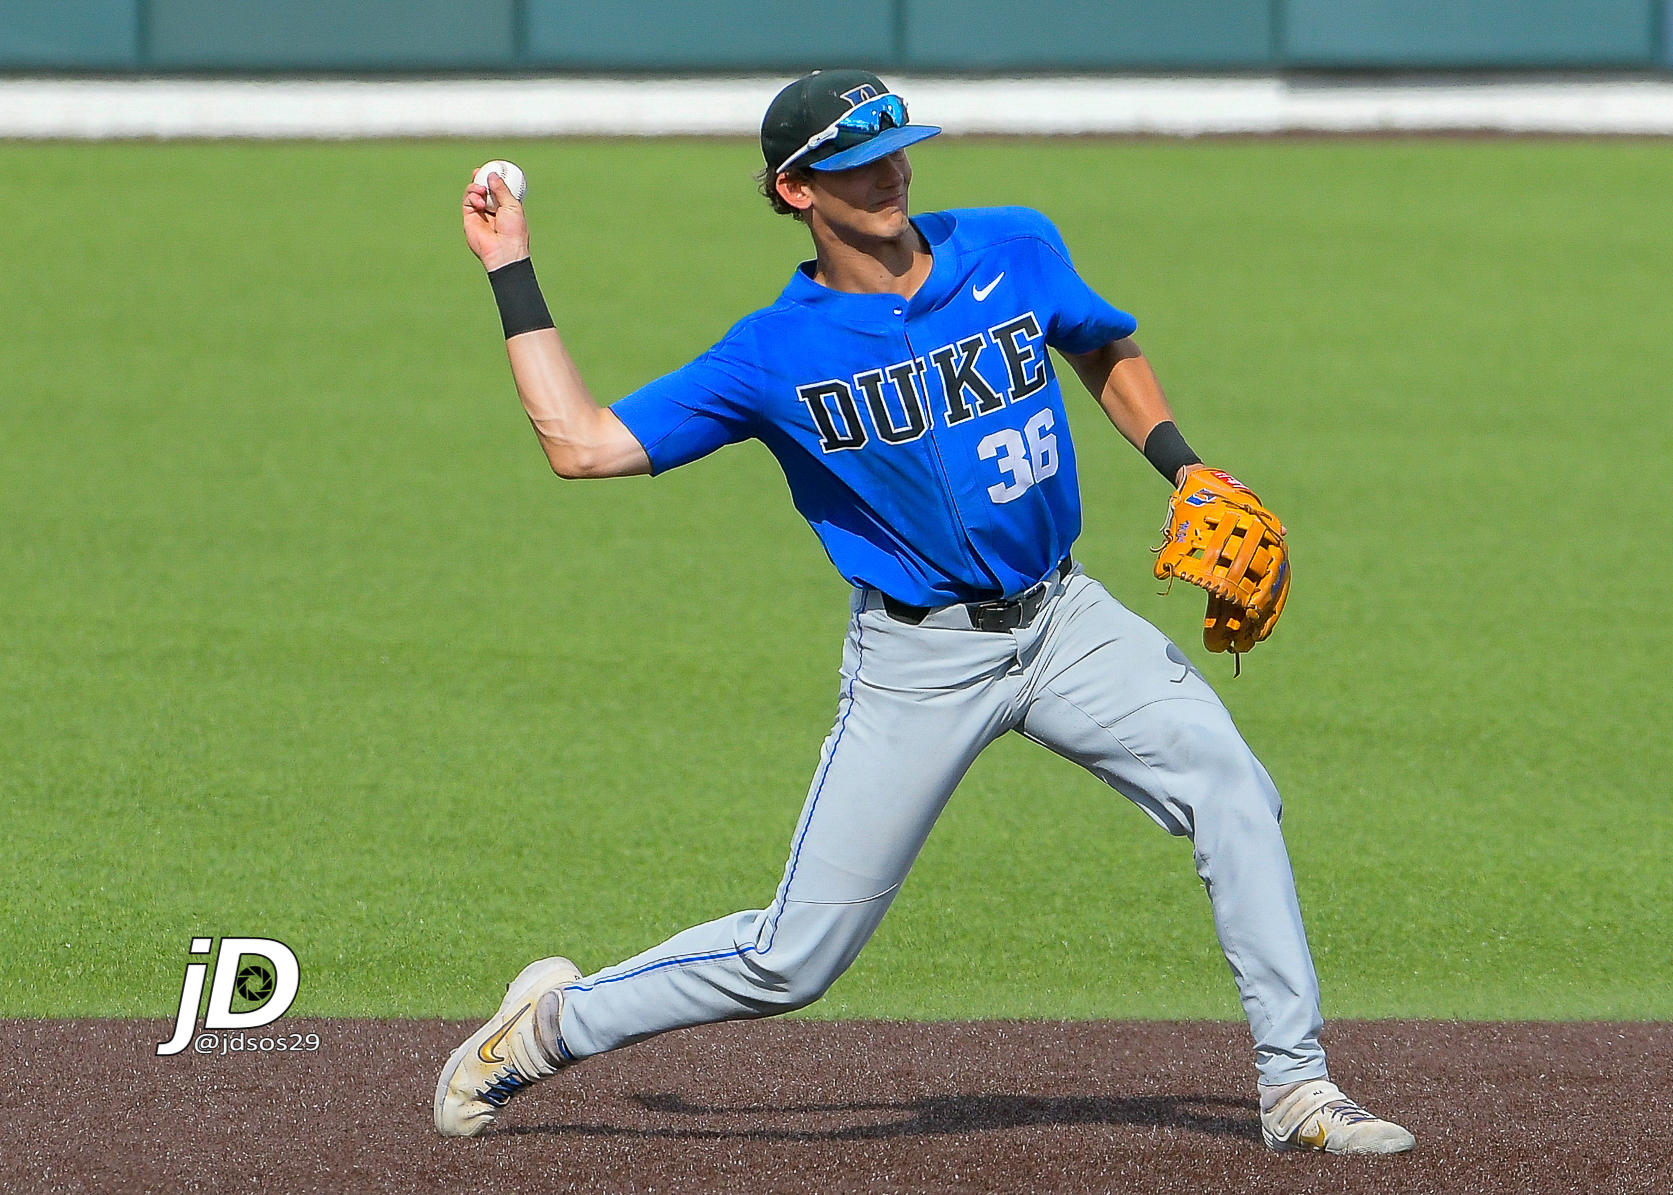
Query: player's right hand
[[498, 238]]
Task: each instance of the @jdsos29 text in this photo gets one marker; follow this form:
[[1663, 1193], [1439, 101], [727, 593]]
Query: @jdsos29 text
[[261, 971]]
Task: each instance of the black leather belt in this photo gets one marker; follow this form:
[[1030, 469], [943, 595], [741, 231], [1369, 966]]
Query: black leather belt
[[1005, 614]]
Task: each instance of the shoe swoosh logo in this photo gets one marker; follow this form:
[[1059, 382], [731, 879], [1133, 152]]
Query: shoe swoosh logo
[[1315, 1139], [982, 292], [488, 1051]]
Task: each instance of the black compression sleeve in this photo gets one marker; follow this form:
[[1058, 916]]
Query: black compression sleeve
[[1165, 448], [517, 291]]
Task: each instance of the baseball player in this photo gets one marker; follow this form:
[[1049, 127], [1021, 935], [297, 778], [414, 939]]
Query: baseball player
[[903, 384]]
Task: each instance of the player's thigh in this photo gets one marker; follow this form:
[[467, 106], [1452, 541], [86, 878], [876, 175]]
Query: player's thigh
[[915, 710], [1118, 698], [1104, 659]]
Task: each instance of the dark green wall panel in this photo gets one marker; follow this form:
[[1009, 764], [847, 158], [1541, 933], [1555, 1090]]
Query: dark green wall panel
[[69, 33], [308, 34], [697, 34], [1074, 33], [1470, 32]]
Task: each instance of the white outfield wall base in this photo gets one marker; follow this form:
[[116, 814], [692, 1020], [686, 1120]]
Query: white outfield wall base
[[323, 108]]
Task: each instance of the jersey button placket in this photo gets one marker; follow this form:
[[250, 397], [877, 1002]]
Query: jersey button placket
[[933, 439]]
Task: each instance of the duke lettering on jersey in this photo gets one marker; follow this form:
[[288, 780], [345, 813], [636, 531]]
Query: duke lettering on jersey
[[961, 379], [923, 439], [837, 417], [832, 406]]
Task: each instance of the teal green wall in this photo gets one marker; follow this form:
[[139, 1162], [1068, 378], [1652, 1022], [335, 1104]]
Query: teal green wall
[[84, 34], [963, 34], [342, 34], [1470, 32], [690, 33], [698, 35]]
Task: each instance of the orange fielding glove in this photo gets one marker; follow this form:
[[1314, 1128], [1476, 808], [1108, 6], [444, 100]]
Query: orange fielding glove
[[1220, 537]]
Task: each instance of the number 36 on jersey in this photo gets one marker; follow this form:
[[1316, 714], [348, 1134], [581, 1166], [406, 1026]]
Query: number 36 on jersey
[[1024, 457]]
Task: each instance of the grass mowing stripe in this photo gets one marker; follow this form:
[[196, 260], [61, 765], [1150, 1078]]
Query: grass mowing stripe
[[302, 640]]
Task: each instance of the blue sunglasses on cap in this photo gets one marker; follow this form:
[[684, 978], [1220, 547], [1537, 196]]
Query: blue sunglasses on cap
[[859, 124]]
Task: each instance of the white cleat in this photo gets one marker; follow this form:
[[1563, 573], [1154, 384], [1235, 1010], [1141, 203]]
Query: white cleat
[[502, 1057], [1317, 1116]]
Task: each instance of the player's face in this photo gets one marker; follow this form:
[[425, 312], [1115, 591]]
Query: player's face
[[868, 201]]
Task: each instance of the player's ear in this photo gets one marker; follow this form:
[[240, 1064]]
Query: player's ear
[[796, 191]]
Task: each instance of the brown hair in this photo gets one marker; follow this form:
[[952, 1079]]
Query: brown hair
[[767, 180]]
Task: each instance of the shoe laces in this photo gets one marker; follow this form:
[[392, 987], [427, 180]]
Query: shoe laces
[[505, 1085], [1348, 1112]]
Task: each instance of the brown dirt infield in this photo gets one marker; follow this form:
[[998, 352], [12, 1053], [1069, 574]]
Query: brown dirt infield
[[810, 1106]]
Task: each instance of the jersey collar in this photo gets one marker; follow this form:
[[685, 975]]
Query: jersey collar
[[937, 233]]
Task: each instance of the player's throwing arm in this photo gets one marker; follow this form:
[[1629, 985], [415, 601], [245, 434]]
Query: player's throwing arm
[[580, 438]]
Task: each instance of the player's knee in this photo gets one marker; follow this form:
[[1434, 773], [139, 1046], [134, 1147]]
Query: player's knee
[[1243, 793], [803, 952], [807, 986], [1220, 777], [787, 985]]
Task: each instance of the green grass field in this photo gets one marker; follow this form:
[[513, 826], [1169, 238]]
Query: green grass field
[[299, 638]]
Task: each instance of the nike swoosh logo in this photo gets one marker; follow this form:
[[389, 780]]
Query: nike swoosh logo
[[982, 292], [488, 1051]]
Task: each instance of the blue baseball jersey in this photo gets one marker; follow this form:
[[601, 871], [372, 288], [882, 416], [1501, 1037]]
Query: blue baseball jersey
[[924, 439]]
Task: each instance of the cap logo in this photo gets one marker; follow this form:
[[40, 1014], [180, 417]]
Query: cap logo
[[862, 93]]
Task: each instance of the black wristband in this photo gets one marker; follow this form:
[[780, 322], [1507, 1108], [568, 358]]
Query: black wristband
[[1165, 448], [517, 291]]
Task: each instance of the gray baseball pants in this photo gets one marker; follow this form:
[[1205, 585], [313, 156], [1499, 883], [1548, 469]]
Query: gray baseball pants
[[1088, 679]]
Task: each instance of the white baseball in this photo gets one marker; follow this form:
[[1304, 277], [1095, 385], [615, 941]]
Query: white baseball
[[513, 178]]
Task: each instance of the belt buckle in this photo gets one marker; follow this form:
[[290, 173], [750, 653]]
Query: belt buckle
[[996, 616], [1008, 615]]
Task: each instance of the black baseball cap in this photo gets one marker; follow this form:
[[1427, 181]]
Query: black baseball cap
[[810, 110]]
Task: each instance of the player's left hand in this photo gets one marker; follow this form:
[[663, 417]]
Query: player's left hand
[[1220, 537], [500, 237]]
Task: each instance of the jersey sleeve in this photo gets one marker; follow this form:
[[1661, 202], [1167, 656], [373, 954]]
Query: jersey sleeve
[[1081, 319], [687, 414]]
